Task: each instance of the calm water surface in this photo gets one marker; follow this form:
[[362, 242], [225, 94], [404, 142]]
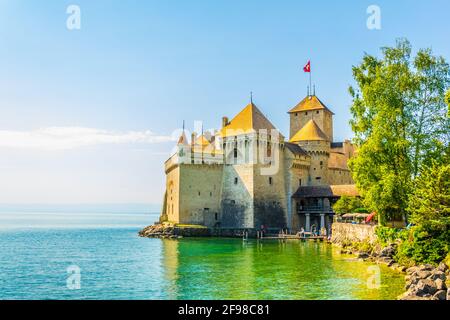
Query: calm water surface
[[116, 264]]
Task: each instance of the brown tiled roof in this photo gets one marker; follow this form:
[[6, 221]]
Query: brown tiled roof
[[250, 119], [295, 149], [310, 132], [326, 191], [310, 103]]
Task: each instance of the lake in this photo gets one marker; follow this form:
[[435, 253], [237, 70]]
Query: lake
[[37, 251]]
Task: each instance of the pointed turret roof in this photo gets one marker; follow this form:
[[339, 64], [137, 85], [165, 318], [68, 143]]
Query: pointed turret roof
[[183, 139], [310, 103], [310, 132], [250, 119]]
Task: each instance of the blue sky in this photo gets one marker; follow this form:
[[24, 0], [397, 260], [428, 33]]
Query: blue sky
[[137, 69]]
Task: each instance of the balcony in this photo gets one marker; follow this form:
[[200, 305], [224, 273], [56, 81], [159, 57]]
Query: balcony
[[311, 208]]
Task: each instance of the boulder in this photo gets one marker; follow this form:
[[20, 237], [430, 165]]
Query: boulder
[[394, 266], [442, 267], [411, 296], [412, 270], [363, 255], [440, 284], [436, 274], [440, 295], [401, 269], [423, 274], [425, 287], [426, 267], [388, 251]]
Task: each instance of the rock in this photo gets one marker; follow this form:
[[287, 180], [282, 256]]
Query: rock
[[423, 274], [363, 255], [426, 267], [438, 275], [440, 285], [425, 287], [411, 296], [394, 266], [388, 251], [442, 267], [440, 295], [412, 270], [401, 268]]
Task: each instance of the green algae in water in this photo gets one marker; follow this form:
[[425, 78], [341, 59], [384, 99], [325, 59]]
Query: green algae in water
[[117, 264], [233, 269]]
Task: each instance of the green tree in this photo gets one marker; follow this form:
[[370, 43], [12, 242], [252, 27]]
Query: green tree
[[429, 204], [347, 204], [400, 123]]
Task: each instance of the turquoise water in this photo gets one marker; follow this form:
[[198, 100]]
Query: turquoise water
[[116, 264]]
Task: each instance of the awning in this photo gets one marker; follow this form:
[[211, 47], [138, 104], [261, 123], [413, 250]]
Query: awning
[[371, 216]]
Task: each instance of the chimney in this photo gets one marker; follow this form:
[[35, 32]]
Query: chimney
[[225, 122]]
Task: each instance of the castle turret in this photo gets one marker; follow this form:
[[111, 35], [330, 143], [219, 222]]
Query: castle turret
[[311, 108], [317, 144]]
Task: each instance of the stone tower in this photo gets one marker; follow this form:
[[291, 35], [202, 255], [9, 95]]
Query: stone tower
[[311, 108], [252, 194], [316, 143]]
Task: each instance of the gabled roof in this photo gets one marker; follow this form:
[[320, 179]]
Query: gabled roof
[[332, 191], [296, 149], [202, 141], [250, 119], [310, 103], [310, 132]]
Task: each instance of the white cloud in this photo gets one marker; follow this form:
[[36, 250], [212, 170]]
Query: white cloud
[[64, 138]]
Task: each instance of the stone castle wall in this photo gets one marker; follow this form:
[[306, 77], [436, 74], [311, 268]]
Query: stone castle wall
[[347, 232], [200, 194]]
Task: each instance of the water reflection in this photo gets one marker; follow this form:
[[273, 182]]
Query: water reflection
[[234, 269]]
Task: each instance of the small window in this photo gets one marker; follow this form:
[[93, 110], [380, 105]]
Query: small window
[[321, 163], [235, 180], [296, 114], [210, 194], [318, 178], [216, 216], [306, 113], [235, 153], [300, 182], [270, 180], [233, 202], [317, 112], [199, 194]]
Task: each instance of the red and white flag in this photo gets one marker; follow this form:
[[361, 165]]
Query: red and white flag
[[307, 68]]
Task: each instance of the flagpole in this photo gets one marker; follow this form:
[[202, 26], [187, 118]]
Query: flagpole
[[310, 80]]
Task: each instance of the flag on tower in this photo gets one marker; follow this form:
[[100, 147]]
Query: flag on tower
[[307, 68]]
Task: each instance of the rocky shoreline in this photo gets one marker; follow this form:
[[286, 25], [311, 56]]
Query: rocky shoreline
[[171, 231], [424, 282], [164, 231]]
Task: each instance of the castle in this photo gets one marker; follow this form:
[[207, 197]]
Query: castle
[[247, 175]]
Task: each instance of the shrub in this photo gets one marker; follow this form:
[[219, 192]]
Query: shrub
[[424, 245]]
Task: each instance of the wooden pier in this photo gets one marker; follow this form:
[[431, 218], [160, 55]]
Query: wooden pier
[[304, 237]]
